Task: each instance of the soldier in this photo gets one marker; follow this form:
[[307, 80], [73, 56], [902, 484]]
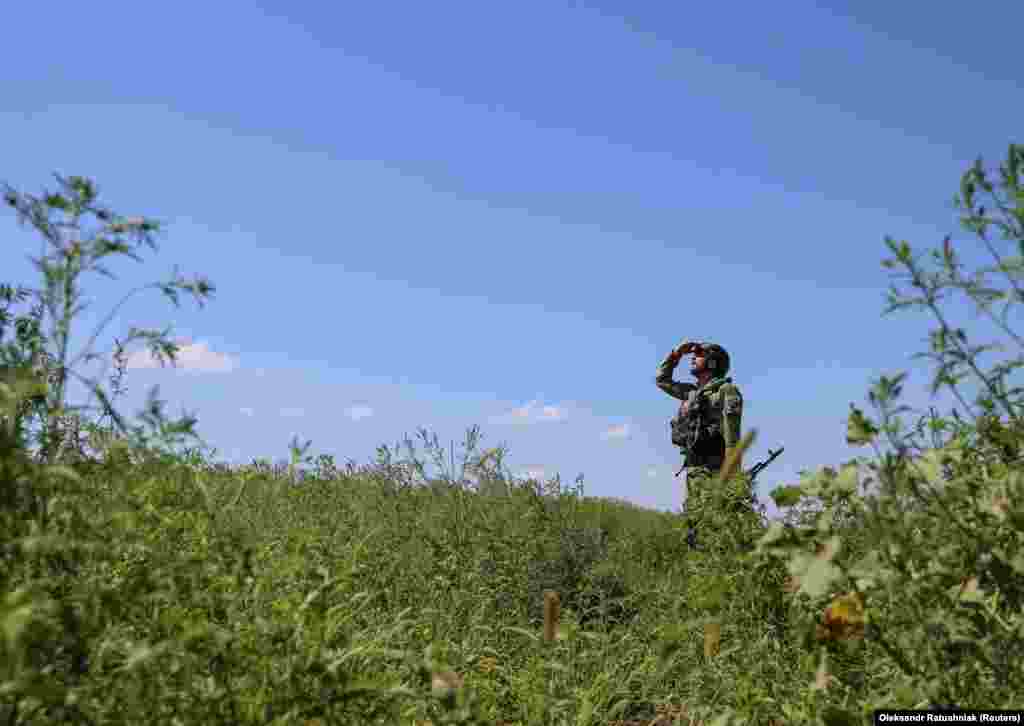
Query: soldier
[[707, 426]]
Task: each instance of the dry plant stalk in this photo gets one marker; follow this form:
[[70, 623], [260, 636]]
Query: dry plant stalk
[[552, 612], [712, 639]]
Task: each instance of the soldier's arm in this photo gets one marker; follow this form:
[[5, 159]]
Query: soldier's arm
[[664, 381], [732, 417]]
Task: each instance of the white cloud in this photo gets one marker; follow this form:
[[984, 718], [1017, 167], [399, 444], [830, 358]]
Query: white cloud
[[357, 413], [142, 359], [246, 411], [190, 357], [291, 412], [532, 412], [535, 472], [621, 431]]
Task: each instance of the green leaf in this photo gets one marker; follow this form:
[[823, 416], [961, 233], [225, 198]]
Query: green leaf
[[860, 431], [776, 531], [586, 713], [620, 706], [869, 572], [835, 716], [847, 480], [140, 655], [930, 466], [36, 687], [816, 572], [521, 631], [786, 496], [814, 484], [56, 201], [713, 595]]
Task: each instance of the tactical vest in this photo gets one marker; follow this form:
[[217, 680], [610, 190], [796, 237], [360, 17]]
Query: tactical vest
[[697, 427]]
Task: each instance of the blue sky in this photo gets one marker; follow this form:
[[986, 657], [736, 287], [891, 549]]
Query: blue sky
[[506, 215]]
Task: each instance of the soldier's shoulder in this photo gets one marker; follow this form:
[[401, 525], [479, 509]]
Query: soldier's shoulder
[[731, 399], [730, 389]]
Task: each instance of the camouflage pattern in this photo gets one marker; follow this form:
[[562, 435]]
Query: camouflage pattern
[[708, 422], [710, 416]]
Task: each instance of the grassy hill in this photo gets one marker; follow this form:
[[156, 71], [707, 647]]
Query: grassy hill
[[143, 582]]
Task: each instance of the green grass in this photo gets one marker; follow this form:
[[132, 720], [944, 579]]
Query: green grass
[[206, 594]]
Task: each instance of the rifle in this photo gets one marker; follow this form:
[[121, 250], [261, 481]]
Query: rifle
[[758, 468]]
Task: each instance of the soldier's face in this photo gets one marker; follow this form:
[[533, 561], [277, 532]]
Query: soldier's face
[[698, 363]]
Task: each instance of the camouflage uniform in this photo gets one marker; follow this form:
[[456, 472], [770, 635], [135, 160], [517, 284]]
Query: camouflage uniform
[[708, 422]]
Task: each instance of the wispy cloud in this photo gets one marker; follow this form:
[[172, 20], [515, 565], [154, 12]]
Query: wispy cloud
[[652, 472], [190, 357], [358, 412], [292, 412], [246, 411], [532, 412], [619, 431], [534, 472]]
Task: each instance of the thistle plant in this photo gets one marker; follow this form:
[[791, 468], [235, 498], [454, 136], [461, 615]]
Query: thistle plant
[[80, 237], [918, 550]]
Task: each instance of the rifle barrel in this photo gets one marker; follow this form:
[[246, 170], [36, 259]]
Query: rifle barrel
[[772, 455]]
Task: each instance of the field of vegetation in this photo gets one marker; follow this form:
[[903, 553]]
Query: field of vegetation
[[142, 582]]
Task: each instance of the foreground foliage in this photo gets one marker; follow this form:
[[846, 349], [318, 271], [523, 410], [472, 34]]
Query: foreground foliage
[[142, 582]]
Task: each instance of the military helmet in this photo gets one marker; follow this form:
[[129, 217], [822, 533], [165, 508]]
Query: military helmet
[[716, 356]]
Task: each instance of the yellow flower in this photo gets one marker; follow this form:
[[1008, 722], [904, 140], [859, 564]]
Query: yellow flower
[[844, 618], [488, 664]]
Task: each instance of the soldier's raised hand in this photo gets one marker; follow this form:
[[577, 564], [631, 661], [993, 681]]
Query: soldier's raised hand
[[685, 347]]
